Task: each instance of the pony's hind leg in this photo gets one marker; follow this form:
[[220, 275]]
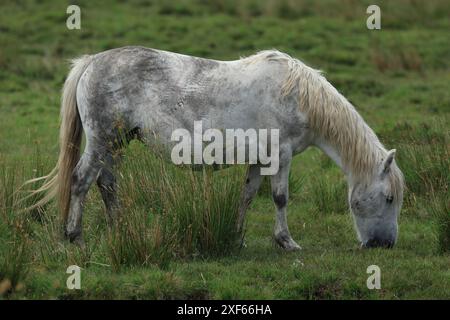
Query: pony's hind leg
[[280, 194], [107, 185], [83, 175], [106, 180]]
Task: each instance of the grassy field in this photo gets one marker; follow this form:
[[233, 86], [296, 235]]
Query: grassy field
[[397, 77]]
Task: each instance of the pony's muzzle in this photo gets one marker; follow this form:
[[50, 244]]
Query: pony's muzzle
[[378, 242]]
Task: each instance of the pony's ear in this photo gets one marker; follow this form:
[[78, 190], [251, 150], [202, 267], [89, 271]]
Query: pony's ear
[[386, 165]]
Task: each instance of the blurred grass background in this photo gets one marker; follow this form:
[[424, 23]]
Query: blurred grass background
[[397, 77]]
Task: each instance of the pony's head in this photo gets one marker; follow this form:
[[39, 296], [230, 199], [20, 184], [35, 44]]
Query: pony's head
[[376, 205]]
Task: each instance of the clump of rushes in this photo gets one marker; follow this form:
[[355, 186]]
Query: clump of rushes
[[172, 212], [15, 254], [440, 211], [423, 157]]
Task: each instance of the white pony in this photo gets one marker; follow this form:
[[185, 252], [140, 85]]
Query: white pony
[[152, 92]]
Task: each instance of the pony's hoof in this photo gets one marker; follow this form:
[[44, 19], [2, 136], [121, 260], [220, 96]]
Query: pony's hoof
[[240, 243], [286, 242], [80, 243], [75, 238]]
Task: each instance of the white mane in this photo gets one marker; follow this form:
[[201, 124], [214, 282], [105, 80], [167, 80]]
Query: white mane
[[333, 117]]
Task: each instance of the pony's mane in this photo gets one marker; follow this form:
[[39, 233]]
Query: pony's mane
[[335, 119]]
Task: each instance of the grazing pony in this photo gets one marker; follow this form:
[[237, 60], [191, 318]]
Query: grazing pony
[[149, 93]]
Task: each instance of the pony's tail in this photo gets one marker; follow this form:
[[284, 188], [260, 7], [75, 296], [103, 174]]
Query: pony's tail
[[58, 182]]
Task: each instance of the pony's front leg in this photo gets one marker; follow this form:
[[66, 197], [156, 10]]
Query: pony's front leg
[[252, 184], [280, 194]]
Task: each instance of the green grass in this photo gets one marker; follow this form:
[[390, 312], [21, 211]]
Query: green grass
[[160, 218], [396, 77]]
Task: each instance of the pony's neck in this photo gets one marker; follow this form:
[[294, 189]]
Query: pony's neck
[[353, 177], [333, 154]]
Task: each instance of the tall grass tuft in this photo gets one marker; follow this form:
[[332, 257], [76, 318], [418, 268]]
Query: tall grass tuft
[[14, 262], [440, 211], [38, 168], [136, 239], [15, 254], [328, 195], [424, 157], [171, 212]]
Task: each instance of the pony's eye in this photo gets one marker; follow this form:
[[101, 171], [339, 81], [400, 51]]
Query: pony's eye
[[389, 199]]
